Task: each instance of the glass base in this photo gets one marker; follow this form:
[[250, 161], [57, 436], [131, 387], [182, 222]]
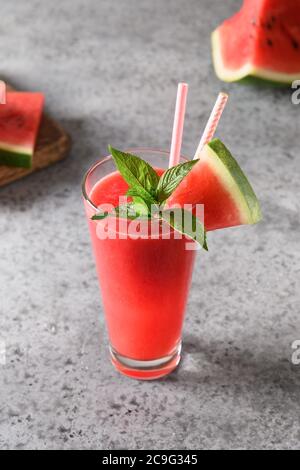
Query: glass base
[[145, 370]]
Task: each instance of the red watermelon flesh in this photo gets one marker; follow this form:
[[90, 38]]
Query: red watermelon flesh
[[218, 183], [261, 40], [19, 123]]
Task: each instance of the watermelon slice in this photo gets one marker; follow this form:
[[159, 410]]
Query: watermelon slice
[[262, 41], [218, 182], [19, 123]]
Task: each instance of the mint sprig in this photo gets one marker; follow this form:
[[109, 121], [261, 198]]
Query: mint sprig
[[149, 193], [135, 171]]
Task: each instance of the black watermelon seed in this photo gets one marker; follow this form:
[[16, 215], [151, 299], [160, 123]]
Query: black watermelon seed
[[270, 42]]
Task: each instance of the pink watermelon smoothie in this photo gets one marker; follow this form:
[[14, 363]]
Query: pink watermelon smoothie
[[144, 284]]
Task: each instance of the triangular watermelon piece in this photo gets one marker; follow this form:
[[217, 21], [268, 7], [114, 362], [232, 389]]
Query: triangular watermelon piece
[[19, 123], [261, 41], [218, 183]]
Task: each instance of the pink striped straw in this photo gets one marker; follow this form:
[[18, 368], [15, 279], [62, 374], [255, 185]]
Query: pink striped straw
[[2, 92], [178, 124], [213, 122]]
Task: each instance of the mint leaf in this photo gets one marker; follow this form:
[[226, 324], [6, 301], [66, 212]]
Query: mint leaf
[[140, 204], [130, 211], [139, 195], [135, 171], [171, 178], [101, 216], [186, 223]]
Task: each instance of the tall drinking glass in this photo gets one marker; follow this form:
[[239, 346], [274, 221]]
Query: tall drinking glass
[[144, 284]]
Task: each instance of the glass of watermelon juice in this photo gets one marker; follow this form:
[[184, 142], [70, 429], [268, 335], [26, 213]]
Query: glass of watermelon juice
[[144, 282]]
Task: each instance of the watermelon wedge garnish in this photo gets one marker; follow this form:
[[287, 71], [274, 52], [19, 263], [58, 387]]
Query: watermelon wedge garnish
[[218, 183], [261, 41], [19, 123]]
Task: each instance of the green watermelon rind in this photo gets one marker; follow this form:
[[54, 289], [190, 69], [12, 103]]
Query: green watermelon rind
[[250, 80], [248, 74], [234, 180], [15, 157]]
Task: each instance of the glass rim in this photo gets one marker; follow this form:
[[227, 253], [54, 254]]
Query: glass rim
[[109, 158]]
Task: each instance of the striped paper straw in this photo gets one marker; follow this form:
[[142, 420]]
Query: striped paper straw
[[212, 122]]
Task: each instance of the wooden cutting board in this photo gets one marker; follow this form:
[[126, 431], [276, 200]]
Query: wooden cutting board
[[53, 144]]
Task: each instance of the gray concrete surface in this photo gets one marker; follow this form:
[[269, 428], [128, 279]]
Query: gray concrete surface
[[109, 70]]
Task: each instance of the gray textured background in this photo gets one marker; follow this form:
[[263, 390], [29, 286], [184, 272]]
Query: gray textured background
[[109, 69]]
